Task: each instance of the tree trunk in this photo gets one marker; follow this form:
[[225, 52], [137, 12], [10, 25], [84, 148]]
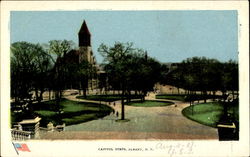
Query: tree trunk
[[57, 94], [85, 93], [36, 93], [122, 107], [223, 96], [41, 96], [57, 100], [140, 93], [143, 96], [205, 94], [79, 87], [49, 95], [60, 94], [129, 96], [214, 92]]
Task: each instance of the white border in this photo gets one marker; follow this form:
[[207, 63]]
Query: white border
[[89, 148]]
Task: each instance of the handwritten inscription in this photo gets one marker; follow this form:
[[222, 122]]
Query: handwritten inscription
[[176, 149]]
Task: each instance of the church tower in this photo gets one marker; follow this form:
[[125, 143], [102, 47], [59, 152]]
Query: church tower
[[84, 35], [85, 49]]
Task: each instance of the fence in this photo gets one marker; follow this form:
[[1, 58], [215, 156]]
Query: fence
[[20, 135]]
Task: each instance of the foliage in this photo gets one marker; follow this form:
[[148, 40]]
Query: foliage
[[77, 75], [149, 103], [129, 69], [29, 70], [71, 112], [37, 69], [80, 119], [171, 97], [107, 98], [210, 113], [46, 113], [186, 97], [68, 74], [59, 48], [204, 74]]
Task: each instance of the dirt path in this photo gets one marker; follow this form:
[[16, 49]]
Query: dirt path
[[145, 123]]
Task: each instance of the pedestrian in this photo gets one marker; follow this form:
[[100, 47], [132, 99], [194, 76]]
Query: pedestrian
[[117, 114], [114, 103]]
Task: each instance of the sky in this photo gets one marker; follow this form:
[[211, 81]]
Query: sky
[[168, 36]]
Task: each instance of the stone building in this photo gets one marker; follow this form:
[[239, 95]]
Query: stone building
[[83, 53], [85, 49]]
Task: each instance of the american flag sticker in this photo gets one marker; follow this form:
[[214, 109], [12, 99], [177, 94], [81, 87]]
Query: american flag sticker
[[21, 147]]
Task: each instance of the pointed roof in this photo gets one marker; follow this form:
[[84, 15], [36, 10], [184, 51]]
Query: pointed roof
[[84, 29]]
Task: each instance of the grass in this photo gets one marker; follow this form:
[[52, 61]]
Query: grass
[[46, 113], [122, 120], [210, 113], [72, 112], [80, 119], [106, 98], [171, 97], [149, 103], [185, 97], [73, 106]]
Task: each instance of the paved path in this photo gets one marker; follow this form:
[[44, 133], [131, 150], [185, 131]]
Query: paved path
[[145, 123]]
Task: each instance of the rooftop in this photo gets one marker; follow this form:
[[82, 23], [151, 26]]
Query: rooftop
[[84, 29], [30, 121]]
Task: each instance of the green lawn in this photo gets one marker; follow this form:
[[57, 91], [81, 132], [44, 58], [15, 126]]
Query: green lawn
[[80, 119], [106, 98], [72, 112], [171, 97], [185, 97], [209, 113], [46, 113], [73, 106], [149, 103]]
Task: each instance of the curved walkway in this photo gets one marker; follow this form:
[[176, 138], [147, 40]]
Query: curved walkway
[[145, 123]]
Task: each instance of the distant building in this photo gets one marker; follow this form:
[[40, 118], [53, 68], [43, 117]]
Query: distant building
[[85, 48], [83, 53], [171, 66]]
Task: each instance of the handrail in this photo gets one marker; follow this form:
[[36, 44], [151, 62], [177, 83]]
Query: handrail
[[20, 135]]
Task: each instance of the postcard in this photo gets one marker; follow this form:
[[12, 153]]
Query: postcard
[[116, 78]]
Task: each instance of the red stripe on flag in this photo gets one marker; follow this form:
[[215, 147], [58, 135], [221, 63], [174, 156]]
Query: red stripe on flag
[[23, 147]]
